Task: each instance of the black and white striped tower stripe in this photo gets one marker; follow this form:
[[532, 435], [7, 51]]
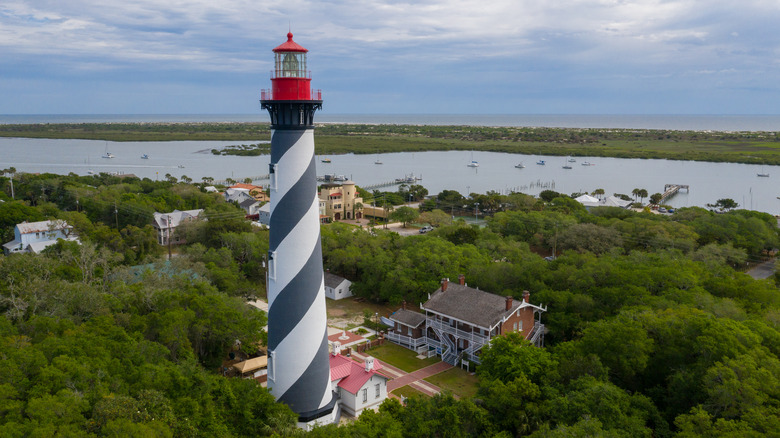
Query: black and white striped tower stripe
[[298, 370]]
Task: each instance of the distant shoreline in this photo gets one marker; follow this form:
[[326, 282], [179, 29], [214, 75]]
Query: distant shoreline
[[712, 146], [683, 122]]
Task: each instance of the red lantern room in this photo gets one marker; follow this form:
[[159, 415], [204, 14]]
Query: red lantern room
[[290, 79]]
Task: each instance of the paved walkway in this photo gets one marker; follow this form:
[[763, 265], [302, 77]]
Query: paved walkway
[[414, 379], [763, 270]]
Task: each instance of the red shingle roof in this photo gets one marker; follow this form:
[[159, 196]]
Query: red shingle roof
[[352, 374]]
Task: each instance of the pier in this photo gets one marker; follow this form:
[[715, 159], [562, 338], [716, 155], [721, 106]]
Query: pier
[[380, 185], [671, 190], [225, 182]]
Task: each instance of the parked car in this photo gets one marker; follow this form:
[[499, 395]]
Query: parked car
[[662, 210], [425, 229]]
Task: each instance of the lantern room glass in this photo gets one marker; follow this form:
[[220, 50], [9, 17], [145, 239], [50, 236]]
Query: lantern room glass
[[290, 65]]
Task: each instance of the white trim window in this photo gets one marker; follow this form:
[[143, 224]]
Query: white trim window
[[378, 391], [365, 395]]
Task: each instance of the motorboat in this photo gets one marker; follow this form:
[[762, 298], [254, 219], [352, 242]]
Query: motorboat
[[473, 163], [325, 160], [540, 162], [145, 156], [587, 163], [108, 155]]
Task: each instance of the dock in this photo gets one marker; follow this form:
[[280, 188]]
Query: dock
[[225, 182], [671, 190]]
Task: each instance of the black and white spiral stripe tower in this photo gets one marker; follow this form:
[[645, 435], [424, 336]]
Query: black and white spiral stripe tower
[[298, 364]]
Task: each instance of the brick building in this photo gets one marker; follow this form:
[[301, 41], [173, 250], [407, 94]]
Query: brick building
[[459, 320]]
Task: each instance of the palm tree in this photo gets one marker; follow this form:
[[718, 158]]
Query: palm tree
[[642, 194], [635, 192], [598, 192]]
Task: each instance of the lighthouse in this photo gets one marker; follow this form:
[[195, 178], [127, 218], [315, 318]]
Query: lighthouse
[[298, 364]]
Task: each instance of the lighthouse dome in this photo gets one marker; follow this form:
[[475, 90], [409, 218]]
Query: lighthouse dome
[[290, 45]]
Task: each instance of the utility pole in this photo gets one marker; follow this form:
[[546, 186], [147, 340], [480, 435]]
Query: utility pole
[[116, 216]]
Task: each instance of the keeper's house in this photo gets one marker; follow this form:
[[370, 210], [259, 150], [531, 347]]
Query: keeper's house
[[459, 320]]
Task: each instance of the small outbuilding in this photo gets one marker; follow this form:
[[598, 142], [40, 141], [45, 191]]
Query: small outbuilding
[[337, 287]]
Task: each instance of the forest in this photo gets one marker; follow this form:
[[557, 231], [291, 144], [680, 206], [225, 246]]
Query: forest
[[654, 328]]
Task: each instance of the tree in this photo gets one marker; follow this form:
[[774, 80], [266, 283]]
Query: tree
[[405, 215], [598, 192], [635, 192], [435, 217], [642, 194], [655, 198], [725, 204]]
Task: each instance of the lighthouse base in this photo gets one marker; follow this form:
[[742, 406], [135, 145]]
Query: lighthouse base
[[329, 414]]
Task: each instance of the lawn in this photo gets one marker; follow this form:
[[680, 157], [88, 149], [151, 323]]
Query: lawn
[[400, 357], [461, 383], [407, 391]]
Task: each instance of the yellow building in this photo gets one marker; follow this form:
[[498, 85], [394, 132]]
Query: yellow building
[[342, 201]]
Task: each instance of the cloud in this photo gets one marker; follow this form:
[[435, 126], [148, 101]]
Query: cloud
[[452, 41]]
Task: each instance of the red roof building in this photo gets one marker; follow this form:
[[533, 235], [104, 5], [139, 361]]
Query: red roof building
[[359, 386]]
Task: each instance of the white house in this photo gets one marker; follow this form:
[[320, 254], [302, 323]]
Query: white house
[[34, 237], [264, 214], [166, 223], [238, 195], [359, 386], [610, 201], [337, 287]]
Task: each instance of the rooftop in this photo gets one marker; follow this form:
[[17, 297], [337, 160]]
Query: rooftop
[[470, 305]]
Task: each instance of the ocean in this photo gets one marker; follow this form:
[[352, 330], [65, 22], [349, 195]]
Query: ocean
[[686, 122]]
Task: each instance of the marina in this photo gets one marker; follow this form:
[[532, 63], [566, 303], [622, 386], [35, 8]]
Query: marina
[[442, 170]]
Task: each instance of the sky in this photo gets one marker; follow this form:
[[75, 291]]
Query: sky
[[393, 57]]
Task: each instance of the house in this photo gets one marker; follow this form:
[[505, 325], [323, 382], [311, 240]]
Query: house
[[166, 224], [238, 195], [256, 192], [359, 386], [341, 201], [242, 192], [34, 237], [264, 214], [251, 207], [460, 320], [337, 287], [610, 201], [410, 326]]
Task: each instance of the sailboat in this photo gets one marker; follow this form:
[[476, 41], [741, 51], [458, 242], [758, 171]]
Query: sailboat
[[108, 154], [473, 163], [377, 160], [520, 165], [762, 173], [566, 164], [145, 156]]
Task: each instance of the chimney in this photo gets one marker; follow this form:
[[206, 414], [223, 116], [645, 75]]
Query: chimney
[[462, 280], [526, 296], [444, 282], [403, 304], [508, 302], [336, 348], [369, 363]]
